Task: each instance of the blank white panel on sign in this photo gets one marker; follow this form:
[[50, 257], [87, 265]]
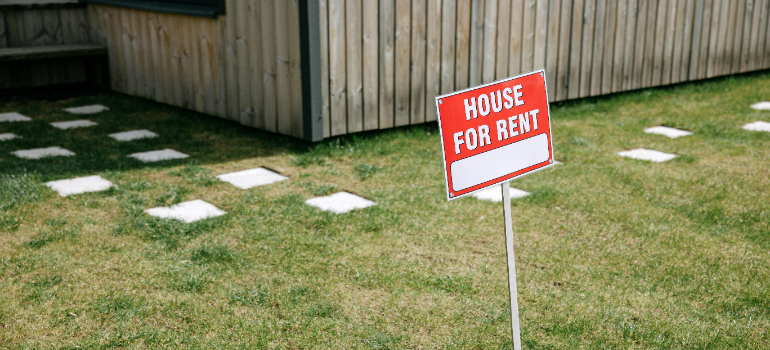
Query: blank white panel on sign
[[37, 153], [73, 124], [156, 156], [495, 194], [761, 105], [666, 131], [91, 109], [758, 126], [133, 135], [648, 155], [13, 117], [340, 202], [79, 185], [501, 161], [250, 178], [187, 211], [8, 136]]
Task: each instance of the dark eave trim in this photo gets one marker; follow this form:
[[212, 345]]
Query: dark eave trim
[[167, 7], [310, 55]]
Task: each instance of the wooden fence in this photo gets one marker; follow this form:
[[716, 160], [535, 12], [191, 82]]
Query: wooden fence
[[23, 26], [384, 62], [244, 66]]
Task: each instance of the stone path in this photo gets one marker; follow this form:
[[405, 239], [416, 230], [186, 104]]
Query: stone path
[[648, 155], [159, 155], [133, 135], [187, 211], [667, 131], [37, 153], [90, 109], [251, 178], [340, 202], [72, 124], [8, 136], [758, 126], [13, 117], [495, 194], [761, 105], [79, 185]]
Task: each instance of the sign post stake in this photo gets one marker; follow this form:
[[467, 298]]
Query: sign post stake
[[511, 266]]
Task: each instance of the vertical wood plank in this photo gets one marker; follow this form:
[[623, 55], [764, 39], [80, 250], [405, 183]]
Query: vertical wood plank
[[541, 33], [282, 67], [323, 7], [563, 67], [164, 59], [157, 70], [3, 32], [448, 22], [207, 51], [403, 57], [659, 42], [354, 63], [462, 40], [490, 41], [269, 77], [135, 38], [128, 59], [387, 62], [295, 69], [552, 54], [528, 36], [697, 29], [196, 68], [188, 83], [573, 86], [676, 54], [730, 33], [371, 66], [255, 63], [586, 58], [763, 19], [242, 44], [670, 33], [417, 106], [717, 54], [610, 28], [630, 46], [597, 61], [687, 48], [754, 43], [230, 59], [515, 29], [337, 67], [433, 59], [639, 41], [503, 38], [748, 25], [737, 41], [477, 42], [619, 46], [649, 44]]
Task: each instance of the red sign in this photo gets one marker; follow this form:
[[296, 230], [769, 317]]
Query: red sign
[[495, 133]]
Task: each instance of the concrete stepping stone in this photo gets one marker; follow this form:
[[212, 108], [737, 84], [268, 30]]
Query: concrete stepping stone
[[8, 136], [13, 117], [494, 194], [72, 124], [90, 109], [187, 211], [761, 105], [133, 135], [38, 153], [758, 126], [159, 155], [79, 185], [251, 178], [666, 131], [648, 155], [340, 202]]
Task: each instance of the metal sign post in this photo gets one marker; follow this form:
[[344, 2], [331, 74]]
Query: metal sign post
[[515, 332]]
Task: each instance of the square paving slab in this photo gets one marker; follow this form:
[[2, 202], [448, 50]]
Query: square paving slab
[[90, 109], [666, 131], [8, 136], [187, 211], [495, 194], [758, 126], [72, 124], [79, 185], [133, 135], [13, 117], [156, 156], [340, 202], [251, 178], [648, 154], [761, 105], [38, 153]]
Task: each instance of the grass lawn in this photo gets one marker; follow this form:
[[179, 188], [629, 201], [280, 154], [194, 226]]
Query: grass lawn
[[612, 253]]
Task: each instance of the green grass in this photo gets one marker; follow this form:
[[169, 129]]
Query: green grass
[[611, 253]]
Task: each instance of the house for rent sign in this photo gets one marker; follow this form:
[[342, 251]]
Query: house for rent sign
[[495, 133]]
